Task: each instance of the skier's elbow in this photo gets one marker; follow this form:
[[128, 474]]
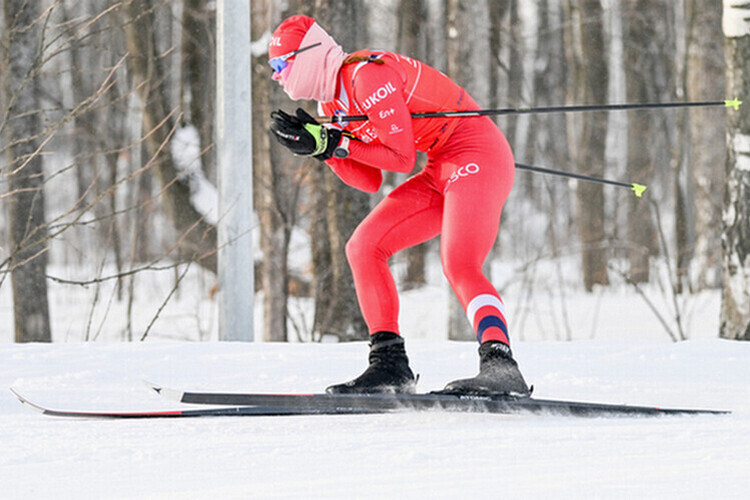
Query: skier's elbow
[[370, 187], [405, 162]]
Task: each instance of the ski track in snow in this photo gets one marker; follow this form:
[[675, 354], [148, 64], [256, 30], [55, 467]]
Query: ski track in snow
[[419, 455]]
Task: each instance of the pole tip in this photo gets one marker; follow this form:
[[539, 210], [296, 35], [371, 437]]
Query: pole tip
[[733, 103], [638, 189]]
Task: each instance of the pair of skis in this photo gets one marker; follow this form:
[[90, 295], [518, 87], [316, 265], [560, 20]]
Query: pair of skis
[[253, 404]]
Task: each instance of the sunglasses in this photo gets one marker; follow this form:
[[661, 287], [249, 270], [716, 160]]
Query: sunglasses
[[279, 63]]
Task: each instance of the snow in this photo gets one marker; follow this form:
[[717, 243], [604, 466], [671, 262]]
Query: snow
[[740, 142], [741, 146], [734, 21], [620, 353], [422, 455]]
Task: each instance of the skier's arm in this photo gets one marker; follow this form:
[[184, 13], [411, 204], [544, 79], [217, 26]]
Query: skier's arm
[[381, 89], [304, 136], [356, 174]]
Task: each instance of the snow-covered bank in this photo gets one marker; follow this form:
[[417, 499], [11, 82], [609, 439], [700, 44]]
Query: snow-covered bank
[[545, 307], [399, 456]]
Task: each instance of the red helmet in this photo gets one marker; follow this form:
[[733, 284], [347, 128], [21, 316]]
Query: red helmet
[[288, 35]]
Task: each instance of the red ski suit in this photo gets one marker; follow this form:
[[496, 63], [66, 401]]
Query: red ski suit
[[459, 194]]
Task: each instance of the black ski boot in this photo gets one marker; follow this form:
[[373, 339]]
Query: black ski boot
[[388, 372], [498, 374]]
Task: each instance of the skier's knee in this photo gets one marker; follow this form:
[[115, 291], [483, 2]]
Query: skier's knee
[[457, 272], [361, 251], [357, 249]]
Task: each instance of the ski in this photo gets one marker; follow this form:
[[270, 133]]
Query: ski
[[385, 403], [224, 411], [273, 405]]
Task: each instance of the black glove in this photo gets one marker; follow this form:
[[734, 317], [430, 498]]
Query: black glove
[[303, 135]]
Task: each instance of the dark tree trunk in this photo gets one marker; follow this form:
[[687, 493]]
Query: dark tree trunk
[[275, 197], [337, 309], [591, 79], [199, 73], [642, 68], [411, 16], [705, 77], [197, 238], [28, 233]]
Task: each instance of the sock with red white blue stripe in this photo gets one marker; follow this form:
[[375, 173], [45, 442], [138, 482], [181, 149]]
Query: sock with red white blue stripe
[[486, 313]]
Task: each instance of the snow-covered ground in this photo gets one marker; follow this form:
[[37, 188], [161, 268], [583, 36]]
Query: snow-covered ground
[[424, 455], [620, 354]]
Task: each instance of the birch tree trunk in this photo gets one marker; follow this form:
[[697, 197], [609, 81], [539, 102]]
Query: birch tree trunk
[[28, 232], [735, 240]]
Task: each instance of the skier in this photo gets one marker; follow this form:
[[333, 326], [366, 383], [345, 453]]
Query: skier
[[459, 194]]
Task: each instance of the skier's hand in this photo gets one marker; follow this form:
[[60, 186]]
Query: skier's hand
[[303, 135]]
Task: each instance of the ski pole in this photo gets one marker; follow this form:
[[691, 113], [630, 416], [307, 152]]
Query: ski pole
[[727, 103], [637, 189]]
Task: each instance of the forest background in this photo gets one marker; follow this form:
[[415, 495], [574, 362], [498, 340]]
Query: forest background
[[109, 160]]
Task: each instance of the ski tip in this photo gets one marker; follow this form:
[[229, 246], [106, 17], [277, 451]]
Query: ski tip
[[17, 395], [638, 189], [733, 103], [26, 402], [21, 398]]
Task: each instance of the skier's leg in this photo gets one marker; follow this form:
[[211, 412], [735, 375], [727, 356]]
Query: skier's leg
[[475, 191], [409, 215], [406, 217], [477, 185]]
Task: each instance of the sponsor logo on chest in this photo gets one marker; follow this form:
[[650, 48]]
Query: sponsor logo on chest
[[385, 113], [378, 95], [367, 134]]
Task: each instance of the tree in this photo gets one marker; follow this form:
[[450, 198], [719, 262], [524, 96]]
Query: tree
[[705, 77], [274, 233], [197, 237], [28, 261], [338, 208], [590, 81], [199, 74], [410, 42], [278, 185], [99, 131], [735, 238], [645, 73]]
